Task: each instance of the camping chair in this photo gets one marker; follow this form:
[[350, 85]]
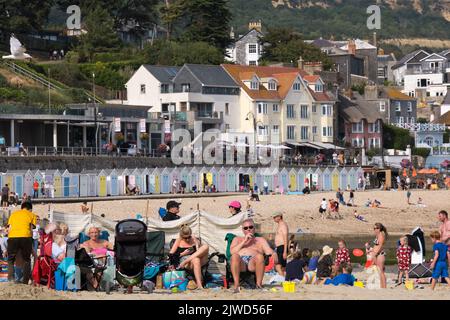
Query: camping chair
[[247, 278], [155, 262], [44, 266]]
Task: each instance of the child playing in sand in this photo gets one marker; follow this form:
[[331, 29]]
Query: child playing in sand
[[369, 255], [440, 260], [403, 259], [359, 217], [408, 196], [312, 265], [344, 277]]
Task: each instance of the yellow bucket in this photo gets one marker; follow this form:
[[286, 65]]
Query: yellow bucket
[[359, 284], [289, 286], [409, 284]]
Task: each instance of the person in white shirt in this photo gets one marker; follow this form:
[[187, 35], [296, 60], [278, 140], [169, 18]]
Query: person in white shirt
[[323, 208], [266, 188]]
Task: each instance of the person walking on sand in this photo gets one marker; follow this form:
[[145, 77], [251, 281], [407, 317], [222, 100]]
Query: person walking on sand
[[35, 189], [84, 208], [408, 196], [281, 242]]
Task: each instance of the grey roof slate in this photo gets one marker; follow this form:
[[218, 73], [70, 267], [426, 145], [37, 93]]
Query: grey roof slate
[[358, 109], [210, 75], [403, 60], [164, 74], [447, 98]]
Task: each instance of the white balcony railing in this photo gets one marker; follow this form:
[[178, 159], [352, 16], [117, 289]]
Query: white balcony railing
[[421, 127]]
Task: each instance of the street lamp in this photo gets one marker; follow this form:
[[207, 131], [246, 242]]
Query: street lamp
[[95, 114]]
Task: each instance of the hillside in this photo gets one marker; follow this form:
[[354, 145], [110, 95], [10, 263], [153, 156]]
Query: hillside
[[347, 18]]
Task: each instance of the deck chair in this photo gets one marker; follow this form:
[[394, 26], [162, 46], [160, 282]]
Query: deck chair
[[155, 262], [247, 278]]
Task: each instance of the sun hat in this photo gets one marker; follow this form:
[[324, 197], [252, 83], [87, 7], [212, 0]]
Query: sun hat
[[326, 250], [277, 214], [235, 204]]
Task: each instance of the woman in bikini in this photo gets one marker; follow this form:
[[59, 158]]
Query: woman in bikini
[[379, 254], [192, 254]]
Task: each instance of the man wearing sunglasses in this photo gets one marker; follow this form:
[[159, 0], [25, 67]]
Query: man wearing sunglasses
[[247, 253]]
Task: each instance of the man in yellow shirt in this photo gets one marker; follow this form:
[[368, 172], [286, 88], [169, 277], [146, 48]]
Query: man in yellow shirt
[[20, 240]]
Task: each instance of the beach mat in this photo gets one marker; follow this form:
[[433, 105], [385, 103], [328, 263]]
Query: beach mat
[[294, 193]]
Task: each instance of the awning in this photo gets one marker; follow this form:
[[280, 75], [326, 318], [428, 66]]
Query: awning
[[325, 145]]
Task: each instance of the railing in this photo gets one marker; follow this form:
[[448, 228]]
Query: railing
[[421, 126], [78, 151], [425, 71]]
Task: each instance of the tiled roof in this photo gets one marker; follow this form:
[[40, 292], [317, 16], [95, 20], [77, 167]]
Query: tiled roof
[[284, 75], [358, 109], [210, 75], [164, 74], [444, 119], [397, 95], [311, 78]]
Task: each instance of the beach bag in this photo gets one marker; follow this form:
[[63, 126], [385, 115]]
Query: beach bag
[[68, 276], [175, 279], [3, 270]]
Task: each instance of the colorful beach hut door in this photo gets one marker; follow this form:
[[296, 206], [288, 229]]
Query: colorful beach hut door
[[284, 176], [335, 179], [84, 185], [214, 177], [58, 186], [293, 180], [18, 184], [28, 183], [65, 177], [185, 177], [145, 175], [326, 177], [318, 179], [114, 183], [309, 178], [260, 178], [352, 179], [222, 185], [102, 190], [343, 175], [300, 179], [74, 185], [165, 181], [231, 180], [251, 177], [194, 179], [157, 180]]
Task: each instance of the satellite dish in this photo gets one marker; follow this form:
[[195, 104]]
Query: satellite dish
[[17, 50]]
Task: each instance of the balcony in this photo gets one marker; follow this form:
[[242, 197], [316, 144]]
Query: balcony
[[425, 71]]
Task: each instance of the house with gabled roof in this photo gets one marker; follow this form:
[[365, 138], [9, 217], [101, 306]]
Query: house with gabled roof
[[424, 75], [247, 48], [284, 102]]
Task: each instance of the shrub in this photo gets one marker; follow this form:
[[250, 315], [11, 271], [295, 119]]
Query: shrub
[[423, 152], [72, 57], [3, 81]]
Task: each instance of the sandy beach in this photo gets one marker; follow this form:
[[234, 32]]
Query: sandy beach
[[300, 212]]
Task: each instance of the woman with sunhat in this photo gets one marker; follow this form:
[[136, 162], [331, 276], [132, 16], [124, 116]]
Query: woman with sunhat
[[325, 263], [234, 207]]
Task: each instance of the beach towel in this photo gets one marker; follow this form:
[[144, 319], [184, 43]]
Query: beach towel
[[3, 270]]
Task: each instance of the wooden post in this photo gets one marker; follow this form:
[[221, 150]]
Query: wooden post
[[198, 206], [146, 212], [92, 207]]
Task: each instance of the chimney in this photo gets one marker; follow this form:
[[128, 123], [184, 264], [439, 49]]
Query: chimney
[[352, 47], [232, 33], [375, 39], [300, 63], [255, 25], [371, 92]]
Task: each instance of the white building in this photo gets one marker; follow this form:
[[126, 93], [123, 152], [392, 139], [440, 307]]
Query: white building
[[247, 48]]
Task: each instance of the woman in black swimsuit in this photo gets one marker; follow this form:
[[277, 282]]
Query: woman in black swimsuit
[[378, 251], [192, 254]]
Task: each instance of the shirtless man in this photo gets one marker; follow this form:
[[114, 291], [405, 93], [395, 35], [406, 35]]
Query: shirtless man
[[281, 242], [247, 253], [444, 228]]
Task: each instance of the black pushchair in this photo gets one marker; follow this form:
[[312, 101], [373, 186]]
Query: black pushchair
[[419, 268], [130, 251]]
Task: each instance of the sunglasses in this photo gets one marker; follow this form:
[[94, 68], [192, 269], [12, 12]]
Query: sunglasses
[[248, 228], [376, 228]]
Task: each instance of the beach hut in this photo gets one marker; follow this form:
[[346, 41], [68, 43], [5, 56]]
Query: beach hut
[[112, 183], [84, 184], [153, 181], [137, 174], [28, 180], [145, 175], [202, 178], [352, 179], [102, 184], [268, 178], [309, 178], [335, 179], [174, 175], [184, 176], [318, 179], [194, 178], [293, 180], [284, 180], [275, 178], [65, 180], [242, 179], [260, 178], [326, 179], [214, 176], [74, 185], [165, 180], [90, 180], [222, 177], [122, 181], [53, 183], [343, 174], [251, 176], [231, 180], [8, 179], [301, 179], [15, 179], [360, 174]]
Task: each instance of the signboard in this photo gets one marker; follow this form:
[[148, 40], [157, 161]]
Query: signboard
[[117, 125], [2, 141], [167, 126], [142, 126]]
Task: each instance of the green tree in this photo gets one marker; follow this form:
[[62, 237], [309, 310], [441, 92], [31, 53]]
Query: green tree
[[200, 20], [178, 53], [100, 36], [396, 138], [23, 15], [285, 45]]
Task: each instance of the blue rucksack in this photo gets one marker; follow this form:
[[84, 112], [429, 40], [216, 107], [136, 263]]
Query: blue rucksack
[[162, 212]]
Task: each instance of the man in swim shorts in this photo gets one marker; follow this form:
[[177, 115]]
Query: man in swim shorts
[[247, 254], [281, 242]]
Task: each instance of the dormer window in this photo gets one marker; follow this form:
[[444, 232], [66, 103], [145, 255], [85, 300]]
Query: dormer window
[[296, 86], [185, 87], [143, 89], [254, 85], [272, 85], [319, 87]]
